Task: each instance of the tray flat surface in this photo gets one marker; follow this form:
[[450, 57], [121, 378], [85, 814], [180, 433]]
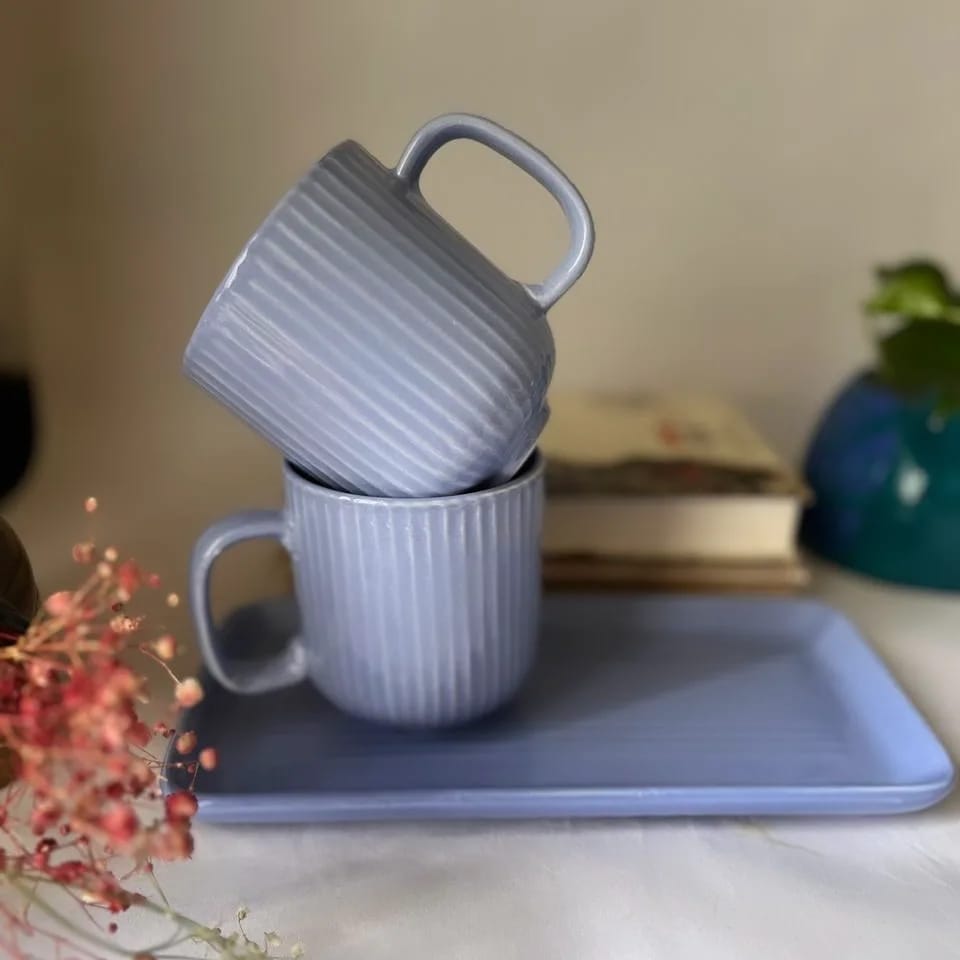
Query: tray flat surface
[[639, 706]]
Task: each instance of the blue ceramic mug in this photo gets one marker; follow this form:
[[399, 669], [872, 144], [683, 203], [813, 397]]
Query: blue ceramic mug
[[420, 612], [373, 344]]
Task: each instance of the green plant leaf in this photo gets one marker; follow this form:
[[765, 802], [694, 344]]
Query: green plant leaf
[[923, 358], [918, 290]]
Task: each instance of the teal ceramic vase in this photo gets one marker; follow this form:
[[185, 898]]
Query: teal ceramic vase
[[884, 470]]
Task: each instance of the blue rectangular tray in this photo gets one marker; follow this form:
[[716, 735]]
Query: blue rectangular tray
[[639, 706]]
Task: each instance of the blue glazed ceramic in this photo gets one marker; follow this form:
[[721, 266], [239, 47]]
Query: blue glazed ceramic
[[374, 345], [414, 612], [885, 473], [638, 706]]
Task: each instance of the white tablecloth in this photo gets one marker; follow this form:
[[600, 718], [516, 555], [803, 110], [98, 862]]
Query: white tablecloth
[[871, 889]]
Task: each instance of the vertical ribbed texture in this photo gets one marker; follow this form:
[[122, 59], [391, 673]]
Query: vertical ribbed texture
[[371, 343], [418, 612]]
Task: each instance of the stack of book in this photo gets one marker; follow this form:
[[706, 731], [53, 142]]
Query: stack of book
[[666, 492]]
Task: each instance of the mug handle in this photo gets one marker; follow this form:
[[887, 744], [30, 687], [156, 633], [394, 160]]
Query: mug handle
[[250, 675], [457, 126]]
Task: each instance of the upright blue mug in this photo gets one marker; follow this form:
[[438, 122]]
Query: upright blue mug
[[416, 612]]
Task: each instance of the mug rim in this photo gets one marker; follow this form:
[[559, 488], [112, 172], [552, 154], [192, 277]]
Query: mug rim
[[528, 473]]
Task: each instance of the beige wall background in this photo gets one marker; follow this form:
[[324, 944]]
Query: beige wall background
[[747, 163]]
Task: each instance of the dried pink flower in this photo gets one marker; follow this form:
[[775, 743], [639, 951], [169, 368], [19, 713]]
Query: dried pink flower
[[181, 805], [188, 693], [83, 552], [59, 604], [85, 811], [165, 647]]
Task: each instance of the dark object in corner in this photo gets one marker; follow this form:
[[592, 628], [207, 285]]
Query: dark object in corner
[[19, 597], [16, 414], [19, 601], [11, 620]]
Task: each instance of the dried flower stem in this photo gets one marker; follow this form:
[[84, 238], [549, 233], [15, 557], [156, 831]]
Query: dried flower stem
[[88, 787]]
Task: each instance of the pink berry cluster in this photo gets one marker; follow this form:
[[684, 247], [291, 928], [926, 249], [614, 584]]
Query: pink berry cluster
[[85, 810]]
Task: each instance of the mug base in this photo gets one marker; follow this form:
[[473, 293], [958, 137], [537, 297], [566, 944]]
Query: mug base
[[429, 716]]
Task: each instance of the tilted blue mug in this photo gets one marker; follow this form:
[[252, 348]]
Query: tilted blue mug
[[373, 344], [414, 612]]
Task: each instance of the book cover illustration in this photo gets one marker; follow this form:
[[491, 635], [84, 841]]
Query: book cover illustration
[[661, 445]]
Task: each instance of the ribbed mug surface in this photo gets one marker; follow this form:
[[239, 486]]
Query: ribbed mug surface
[[373, 344], [419, 612]]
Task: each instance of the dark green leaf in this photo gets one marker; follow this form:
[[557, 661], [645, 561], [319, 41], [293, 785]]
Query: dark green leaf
[[923, 358]]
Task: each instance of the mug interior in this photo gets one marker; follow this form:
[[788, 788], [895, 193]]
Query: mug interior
[[534, 463]]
